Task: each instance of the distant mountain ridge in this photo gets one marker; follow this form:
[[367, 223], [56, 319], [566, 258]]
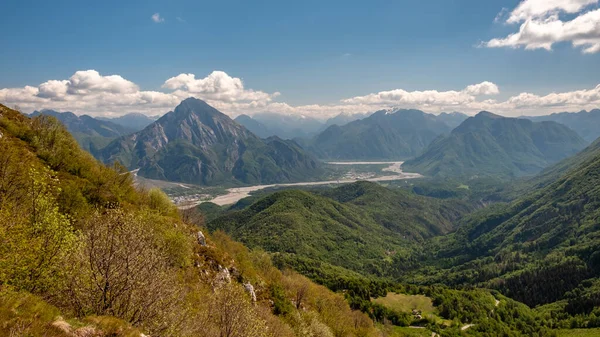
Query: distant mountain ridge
[[286, 126], [384, 135], [488, 144], [255, 126], [135, 120], [198, 144], [344, 118], [91, 133], [452, 119], [586, 124]]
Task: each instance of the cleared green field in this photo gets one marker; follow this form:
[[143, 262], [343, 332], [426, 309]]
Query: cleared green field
[[579, 333], [406, 303]]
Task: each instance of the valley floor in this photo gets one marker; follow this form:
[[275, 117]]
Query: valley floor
[[235, 194]]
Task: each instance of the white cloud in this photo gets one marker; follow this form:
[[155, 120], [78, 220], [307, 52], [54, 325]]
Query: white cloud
[[483, 88], [540, 9], [542, 25], [427, 97], [89, 92], [93, 93], [157, 18], [219, 86]]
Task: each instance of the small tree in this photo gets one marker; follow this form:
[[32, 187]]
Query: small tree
[[122, 270], [230, 314], [35, 237]]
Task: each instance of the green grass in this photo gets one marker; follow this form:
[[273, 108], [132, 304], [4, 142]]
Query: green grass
[[406, 303], [579, 333]]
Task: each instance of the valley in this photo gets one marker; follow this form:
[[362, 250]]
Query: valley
[[184, 200], [300, 168]]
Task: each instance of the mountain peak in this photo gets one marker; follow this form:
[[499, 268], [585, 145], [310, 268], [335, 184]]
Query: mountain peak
[[195, 106], [487, 114], [194, 102]]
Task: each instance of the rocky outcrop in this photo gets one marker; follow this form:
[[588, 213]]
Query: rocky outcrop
[[250, 290], [67, 329], [201, 239], [223, 276]]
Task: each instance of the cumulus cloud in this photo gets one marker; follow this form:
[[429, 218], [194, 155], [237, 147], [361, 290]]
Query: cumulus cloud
[[483, 88], [427, 97], [93, 93], [219, 86], [539, 9], [542, 25], [157, 18], [88, 91]]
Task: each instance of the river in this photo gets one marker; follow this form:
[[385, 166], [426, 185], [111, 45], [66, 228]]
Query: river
[[237, 193]]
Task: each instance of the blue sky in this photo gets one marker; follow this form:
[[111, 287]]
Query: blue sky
[[310, 52]]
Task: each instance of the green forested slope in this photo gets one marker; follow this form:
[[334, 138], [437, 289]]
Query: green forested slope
[[360, 226], [491, 145], [538, 249], [384, 135], [84, 253]]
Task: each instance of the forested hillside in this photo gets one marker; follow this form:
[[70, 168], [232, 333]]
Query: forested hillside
[[384, 135], [84, 253], [540, 249], [496, 146], [362, 226]]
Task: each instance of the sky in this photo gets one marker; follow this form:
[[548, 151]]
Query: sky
[[313, 58]]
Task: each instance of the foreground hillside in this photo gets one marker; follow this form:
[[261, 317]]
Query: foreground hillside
[[491, 145], [198, 144], [83, 253]]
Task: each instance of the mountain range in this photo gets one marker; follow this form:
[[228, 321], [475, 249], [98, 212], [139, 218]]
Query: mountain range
[[91, 133], [344, 118], [134, 120], [254, 126], [586, 124], [285, 126], [198, 144], [488, 144], [290, 127], [384, 135]]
